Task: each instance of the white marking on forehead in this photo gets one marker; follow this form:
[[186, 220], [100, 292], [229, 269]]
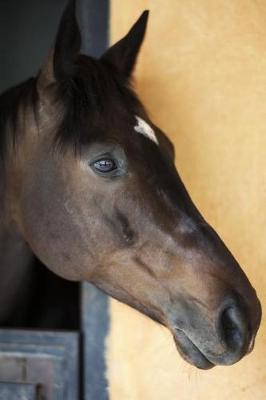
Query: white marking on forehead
[[145, 129]]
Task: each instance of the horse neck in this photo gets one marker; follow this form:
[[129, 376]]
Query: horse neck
[[16, 117], [10, 182], [4, 220], [15, 255], [7, 226]]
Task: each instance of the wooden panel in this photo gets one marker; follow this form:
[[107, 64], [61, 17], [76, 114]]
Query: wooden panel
[[93, 19], [18, 391], [48, 359], [95, 327]]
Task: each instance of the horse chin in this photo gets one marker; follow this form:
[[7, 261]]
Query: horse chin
[[190, 352]]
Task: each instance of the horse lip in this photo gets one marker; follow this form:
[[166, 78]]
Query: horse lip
[[190, 352]]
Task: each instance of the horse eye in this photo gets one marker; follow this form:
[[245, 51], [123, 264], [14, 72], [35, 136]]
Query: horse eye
[[105, 165]]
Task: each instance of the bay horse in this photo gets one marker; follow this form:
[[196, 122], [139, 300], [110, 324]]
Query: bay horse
[[89, 186]]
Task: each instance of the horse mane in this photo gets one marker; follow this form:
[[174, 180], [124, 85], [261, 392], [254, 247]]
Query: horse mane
[[11, 100], [92, 98]]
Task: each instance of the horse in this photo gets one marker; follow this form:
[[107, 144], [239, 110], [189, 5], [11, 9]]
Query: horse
[[89, 187]]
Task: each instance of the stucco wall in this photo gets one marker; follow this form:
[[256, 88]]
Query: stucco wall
[[202, 76]]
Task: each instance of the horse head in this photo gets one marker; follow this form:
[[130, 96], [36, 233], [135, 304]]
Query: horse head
[[97, 197]]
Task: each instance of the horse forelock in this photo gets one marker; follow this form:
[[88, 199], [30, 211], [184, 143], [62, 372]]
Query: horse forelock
[[94, 99]]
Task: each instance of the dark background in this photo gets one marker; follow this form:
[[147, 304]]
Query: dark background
[[28, 29]]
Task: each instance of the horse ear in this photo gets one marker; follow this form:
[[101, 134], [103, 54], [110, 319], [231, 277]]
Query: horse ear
[[62, 57], [123, 54]]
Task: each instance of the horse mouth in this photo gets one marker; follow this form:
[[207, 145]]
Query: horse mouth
[[190, 352]]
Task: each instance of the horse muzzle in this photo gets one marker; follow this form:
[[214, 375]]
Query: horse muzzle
[[205, 342]]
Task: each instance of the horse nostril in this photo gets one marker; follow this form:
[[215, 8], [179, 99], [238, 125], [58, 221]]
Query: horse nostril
[[233, 328]]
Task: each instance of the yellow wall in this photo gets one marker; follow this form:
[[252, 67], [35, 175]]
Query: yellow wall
[[202, 76]]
